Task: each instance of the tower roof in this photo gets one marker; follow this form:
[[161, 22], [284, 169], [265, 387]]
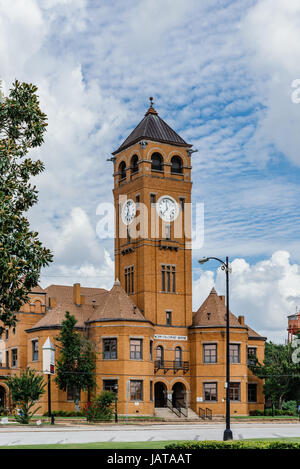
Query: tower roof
[[212, 313], [152, 127]]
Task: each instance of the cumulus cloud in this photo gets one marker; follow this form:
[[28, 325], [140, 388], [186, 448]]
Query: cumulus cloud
[[272, 33], [221, 74], [78, 254], [264, 292]]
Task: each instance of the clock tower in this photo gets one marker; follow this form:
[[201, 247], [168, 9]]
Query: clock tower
[[152, 196]]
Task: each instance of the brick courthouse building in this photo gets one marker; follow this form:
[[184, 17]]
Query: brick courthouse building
[[151, 348]]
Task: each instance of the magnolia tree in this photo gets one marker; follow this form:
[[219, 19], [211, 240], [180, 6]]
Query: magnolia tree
[[22, 128]]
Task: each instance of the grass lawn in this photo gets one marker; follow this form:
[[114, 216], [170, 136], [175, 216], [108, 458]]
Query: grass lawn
[[100, 445], [264, 417], [122, 445]]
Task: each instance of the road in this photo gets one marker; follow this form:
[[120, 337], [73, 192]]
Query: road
[[81, 434]]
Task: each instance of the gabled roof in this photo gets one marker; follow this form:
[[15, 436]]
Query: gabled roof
[[152, 127], [64, 293]]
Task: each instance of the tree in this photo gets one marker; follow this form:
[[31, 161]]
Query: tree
[[22, 126], [25, 390], [280, 371], [76, 364]]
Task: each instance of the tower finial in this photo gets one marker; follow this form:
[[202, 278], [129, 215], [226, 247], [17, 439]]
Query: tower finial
[[151, 109]]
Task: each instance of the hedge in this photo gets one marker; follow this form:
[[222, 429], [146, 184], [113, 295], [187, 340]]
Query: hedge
[[238, 444]]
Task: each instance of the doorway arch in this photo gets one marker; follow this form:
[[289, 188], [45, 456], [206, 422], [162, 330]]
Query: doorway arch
[[2, 397], [160, 394], [178, 395]]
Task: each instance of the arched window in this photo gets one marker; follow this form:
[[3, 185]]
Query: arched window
[[122, 170], [156, 162], [176, 165], [134, 164], [160, 355], [178, 357]]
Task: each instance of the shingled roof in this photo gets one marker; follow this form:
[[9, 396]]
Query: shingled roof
[[212, 313], [117, 305], [152, 127], [101, 305]]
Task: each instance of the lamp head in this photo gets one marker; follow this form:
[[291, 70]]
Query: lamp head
[[202, 261]]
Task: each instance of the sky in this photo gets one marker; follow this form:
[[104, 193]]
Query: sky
[[223, 74]]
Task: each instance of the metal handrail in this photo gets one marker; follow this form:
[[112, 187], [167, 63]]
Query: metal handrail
[[208, 413], [173, 409], [202, 413]]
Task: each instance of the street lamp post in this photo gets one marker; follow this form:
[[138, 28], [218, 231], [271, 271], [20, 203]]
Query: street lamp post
[[225, 266]]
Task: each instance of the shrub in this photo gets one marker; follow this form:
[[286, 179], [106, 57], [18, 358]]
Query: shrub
[[64, 413], [256, 412], [100, 408], [237, 444], [290, 406]]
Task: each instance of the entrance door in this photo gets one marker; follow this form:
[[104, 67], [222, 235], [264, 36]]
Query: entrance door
[[160, 393], [178, 396], [2, 397]]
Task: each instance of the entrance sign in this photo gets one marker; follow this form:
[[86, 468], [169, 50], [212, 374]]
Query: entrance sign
[[170, 337], [48, 358]]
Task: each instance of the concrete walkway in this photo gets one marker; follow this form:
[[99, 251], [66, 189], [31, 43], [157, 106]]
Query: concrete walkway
[[83, 434]]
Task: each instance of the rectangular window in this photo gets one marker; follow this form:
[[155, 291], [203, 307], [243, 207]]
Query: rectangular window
[[235, 392], [129, 279], [252, 392], [251, 355], [6, 334], [168, 318], [210, 391], [209, 353], [35, 350], [168, 278], [181, 200], [136, 349], [151, 391], [109, 349], [151, 350], [137, 199], [136, 390], [110, 385], [7, 358], [14, 358], [234, 353], [167, 227], [152, 198], [73, 393]]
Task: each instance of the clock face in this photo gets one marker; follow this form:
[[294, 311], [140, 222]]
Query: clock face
[[128, 212], [167, 208]]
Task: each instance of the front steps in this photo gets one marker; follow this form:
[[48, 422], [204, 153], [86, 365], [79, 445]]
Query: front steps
[[167, 414]]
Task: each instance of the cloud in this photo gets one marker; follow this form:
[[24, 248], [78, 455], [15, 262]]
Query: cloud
[[220, 72], [265, 292], [78, 254], [274, 55]]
